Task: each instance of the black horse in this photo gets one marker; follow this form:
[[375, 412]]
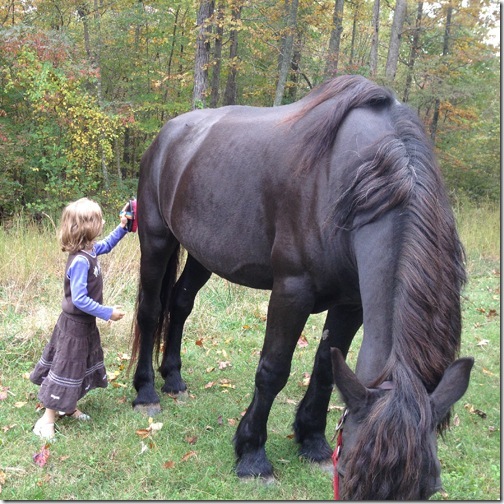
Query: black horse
[[334, 203]]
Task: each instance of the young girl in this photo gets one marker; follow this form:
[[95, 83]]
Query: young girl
[[72, 361]]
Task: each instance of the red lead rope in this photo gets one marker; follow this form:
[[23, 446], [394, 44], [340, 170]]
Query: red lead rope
[[335, 457], [336, 454]]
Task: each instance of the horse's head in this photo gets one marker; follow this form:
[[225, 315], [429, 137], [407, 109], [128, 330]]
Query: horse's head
[[389, 440]]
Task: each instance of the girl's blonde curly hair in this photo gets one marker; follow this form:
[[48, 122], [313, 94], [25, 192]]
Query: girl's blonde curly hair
[[81, 224]]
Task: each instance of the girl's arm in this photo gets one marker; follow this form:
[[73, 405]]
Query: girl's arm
[[107, 244], [78, 273]]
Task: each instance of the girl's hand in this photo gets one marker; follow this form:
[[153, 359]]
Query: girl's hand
[[117, 313], [123, 217]]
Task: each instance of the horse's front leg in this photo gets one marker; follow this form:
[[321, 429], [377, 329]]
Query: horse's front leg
[[341, 324], [289, 307]]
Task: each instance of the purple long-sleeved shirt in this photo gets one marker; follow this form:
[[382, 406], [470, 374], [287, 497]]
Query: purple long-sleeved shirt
[[78, 273]]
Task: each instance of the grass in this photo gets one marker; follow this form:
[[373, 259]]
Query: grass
[[191, 456]]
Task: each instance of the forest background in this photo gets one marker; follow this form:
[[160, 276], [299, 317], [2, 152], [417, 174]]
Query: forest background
[[85, 85]]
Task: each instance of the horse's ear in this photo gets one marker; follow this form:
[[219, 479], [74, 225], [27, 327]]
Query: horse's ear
[[352, 390], [452, 387]]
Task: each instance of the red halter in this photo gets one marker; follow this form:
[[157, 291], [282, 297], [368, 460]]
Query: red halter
[[336, 453]]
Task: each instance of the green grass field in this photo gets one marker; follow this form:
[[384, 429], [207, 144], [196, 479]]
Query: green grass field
[[122, 455]]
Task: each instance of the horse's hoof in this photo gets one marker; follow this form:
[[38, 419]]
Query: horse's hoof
[[254, 464], [148, 409], [316, 449], [324, 465], [180, 396], [174, 387], [264, 480]]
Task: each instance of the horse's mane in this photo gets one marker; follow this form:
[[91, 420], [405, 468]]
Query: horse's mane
[[345, 93], [400, 171], [430, 272]]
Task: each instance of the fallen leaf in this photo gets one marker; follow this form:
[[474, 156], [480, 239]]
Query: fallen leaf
[[42, 456], [491, 313], [224, 364], [219, 420], [483, 342], [306, 379], [188, 455], [19, 404], [210, 384], [199, 342], [169, 464], [456, 420], [302, 341], [489, 373], [3, 393], [232, 421], [153, 427], [143, 433], [475, 411], [191, 439], [210, 369], [227, 385], [7, 428], [113, 375], [143, 448]]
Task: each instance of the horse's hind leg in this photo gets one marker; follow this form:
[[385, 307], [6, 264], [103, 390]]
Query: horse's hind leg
[[158, 266], [190, 282], [341, 324]]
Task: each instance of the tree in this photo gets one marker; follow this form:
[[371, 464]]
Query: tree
[[231, 85], [334, 42], [415, 47], [395, 39], [202, 57], [446, 46], [286, 53], [373, 57]]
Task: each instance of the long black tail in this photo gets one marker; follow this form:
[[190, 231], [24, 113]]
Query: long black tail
[[163, 323]]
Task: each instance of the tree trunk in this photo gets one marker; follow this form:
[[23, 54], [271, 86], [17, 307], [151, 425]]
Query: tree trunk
[[287, 53], [395, 39], [373, 57], [296, 59], [334, 42], [202, 54], [230, 95], [354, 33], [415, 47], [217, 56], [446, 50]]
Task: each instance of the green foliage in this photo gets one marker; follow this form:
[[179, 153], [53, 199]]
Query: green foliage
[[84, 91]]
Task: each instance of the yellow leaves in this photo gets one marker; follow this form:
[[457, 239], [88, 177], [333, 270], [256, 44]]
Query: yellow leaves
[[223, 383], [475, 411], [150, 430]]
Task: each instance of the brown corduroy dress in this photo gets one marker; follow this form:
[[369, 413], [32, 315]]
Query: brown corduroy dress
[[72, 362]]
